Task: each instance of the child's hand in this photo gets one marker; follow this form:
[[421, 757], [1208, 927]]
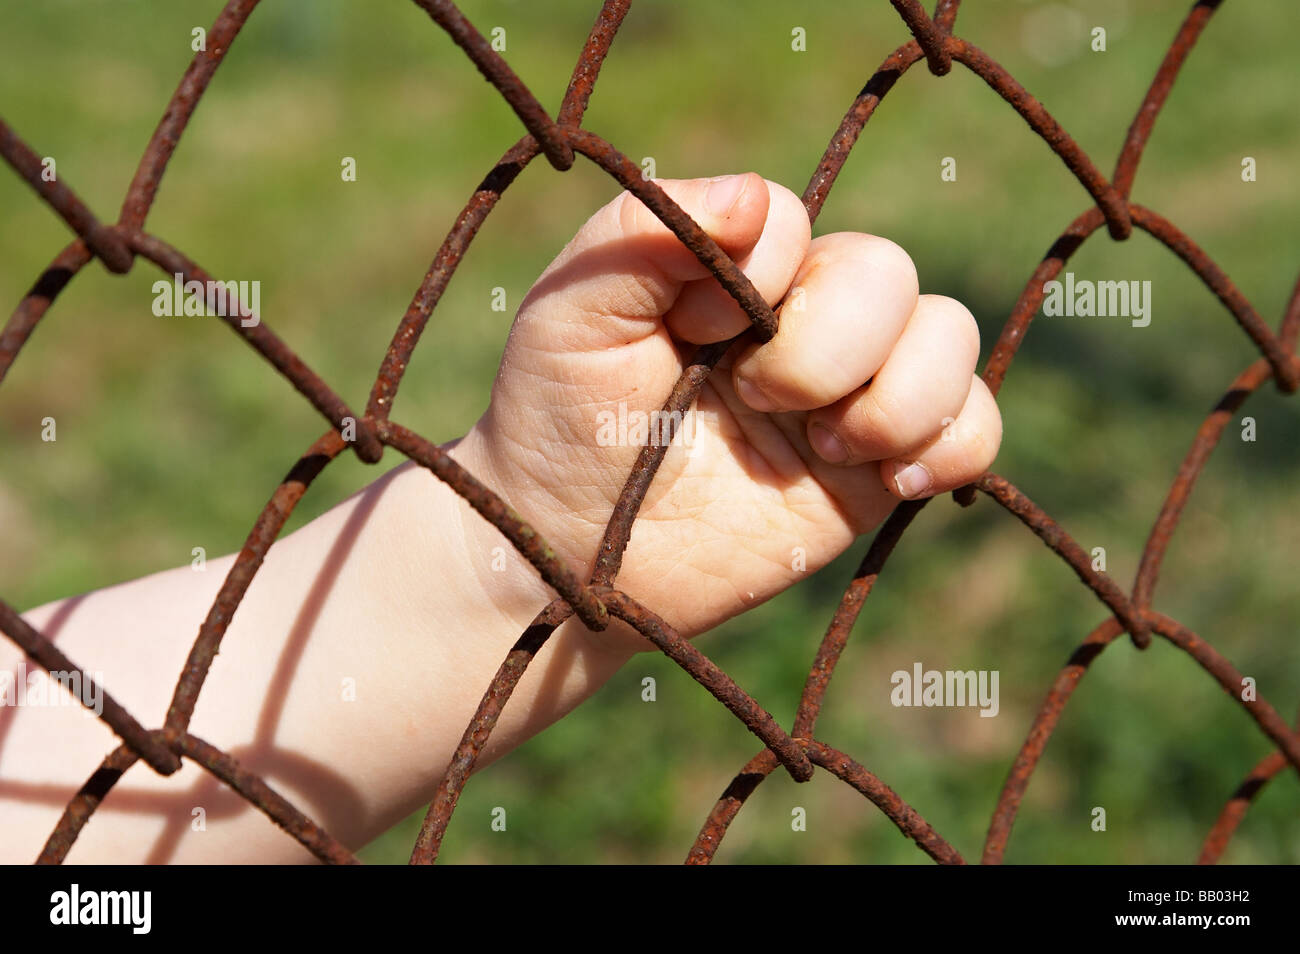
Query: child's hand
[[866, 396], [395, 591]]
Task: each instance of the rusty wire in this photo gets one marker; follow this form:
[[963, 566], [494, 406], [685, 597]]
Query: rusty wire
[[595, 601]]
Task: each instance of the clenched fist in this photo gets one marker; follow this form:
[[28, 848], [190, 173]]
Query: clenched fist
[[866, 395]]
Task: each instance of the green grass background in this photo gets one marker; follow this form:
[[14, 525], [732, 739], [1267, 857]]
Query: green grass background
[[172, 434]]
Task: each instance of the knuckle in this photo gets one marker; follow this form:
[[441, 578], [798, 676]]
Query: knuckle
[[891, 260], [956, 319]]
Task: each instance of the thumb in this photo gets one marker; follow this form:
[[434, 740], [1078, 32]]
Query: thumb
[[625, 268]]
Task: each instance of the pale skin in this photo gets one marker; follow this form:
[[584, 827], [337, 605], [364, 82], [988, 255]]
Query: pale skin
[[867, 395]]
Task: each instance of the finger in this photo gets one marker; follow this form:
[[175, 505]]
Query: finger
[[920, 389], [704, 312], [625, 268], [961, 453], [851, 299]]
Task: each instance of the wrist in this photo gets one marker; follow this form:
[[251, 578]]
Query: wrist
[[497, 574], [505, 578]]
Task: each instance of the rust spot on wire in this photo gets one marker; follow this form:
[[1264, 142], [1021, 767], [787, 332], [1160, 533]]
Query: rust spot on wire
[[596, 600], [945, 14]]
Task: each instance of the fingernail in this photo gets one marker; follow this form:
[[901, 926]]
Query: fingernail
[[723, 193], [827, 445], [752, 396], [912, 480]]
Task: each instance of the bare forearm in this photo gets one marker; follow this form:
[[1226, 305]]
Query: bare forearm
[[345, 679]]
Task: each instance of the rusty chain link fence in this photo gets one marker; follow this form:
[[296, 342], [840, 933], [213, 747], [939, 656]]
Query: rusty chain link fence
[[561, 139]]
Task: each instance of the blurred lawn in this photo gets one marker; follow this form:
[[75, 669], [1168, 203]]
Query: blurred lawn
[[172, 434]]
